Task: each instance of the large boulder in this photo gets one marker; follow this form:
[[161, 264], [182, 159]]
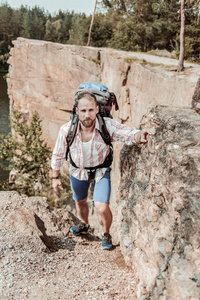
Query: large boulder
[[33, 221], [159, 206]]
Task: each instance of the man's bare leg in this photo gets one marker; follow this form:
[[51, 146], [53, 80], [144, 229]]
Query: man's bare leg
[[105, 215], [83, 210]]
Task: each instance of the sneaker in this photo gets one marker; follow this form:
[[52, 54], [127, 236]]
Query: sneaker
[[82, 228], [106, 241]]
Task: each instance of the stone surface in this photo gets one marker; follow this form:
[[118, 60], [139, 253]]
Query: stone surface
[[31, 216], [159, 205], [44, 76], [196, 98], [79, 268], [157, 209]]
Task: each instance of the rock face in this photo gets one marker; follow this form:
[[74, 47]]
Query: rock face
[[159, 206], [43, 76], [30, 217], [157, 210]]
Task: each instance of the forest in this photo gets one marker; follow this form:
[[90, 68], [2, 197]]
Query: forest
[[125, 25]]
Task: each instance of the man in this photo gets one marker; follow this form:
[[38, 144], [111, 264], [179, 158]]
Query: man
[[89, 150]]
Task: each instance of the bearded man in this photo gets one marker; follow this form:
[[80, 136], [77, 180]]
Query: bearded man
[[89, 150]]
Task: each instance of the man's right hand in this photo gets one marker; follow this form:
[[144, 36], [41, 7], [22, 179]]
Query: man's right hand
[[57, 186], [141, 136]]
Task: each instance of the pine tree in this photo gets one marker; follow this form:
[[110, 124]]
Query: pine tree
[[143, 25], [27, 153]]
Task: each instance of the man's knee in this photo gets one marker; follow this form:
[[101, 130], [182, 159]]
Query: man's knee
[[101, 207], [81, 203]]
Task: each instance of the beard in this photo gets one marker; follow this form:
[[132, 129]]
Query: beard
[[88, 122]]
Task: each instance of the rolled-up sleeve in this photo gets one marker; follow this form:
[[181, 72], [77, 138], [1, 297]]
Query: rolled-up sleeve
[[120, 132], [59, 152]]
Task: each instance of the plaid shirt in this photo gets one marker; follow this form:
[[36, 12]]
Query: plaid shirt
[[99, 150]]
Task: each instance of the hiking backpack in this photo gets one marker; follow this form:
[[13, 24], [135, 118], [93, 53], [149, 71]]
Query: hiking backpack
[[105, 101]]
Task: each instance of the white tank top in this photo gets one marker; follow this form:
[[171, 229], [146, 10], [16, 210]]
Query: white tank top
[[86, 146]]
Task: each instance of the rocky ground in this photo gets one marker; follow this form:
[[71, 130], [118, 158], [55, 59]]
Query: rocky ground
[[68, 267]]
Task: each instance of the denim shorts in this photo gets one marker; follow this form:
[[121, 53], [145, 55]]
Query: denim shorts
[[102, 189]]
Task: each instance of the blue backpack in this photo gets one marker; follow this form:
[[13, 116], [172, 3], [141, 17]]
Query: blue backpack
[[105, 100]]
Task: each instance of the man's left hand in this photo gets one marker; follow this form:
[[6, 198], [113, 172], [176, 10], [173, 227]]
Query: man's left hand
[[141, 136]]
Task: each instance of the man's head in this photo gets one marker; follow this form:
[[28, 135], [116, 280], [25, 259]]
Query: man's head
[[88, 96], [87, 108]]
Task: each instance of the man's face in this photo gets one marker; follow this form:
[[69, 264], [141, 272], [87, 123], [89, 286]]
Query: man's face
[[87, 110]]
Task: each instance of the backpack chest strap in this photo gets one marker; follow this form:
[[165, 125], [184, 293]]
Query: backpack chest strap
[[106, 164]]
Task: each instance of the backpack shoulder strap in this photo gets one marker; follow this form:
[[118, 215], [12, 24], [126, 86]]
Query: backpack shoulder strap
[[104, 134], [72, 132], [103, 130]]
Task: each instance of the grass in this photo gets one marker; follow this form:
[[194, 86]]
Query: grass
[[130, 60], [96, 61], [143, 62]]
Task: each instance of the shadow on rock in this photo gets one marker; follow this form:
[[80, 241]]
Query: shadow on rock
[[53, 243], [64, 243], [90, 237]]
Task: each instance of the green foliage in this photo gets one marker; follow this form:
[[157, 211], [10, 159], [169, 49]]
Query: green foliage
[[28, 154], [146, 25], [6, 32], [102, 31], [32, 24], [96, 61], [127, 25], [154, 24], [192, 38], [3, 60], [78, 34], [35, 23]]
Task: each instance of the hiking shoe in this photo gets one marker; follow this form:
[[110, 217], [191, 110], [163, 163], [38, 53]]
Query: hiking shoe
[[106, 241], [82, 228]]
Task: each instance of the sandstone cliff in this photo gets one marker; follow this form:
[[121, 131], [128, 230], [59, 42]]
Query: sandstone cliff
[[160, 208], [157, 210], [43, 76]]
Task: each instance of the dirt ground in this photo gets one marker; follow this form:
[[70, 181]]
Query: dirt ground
[[76, 267], [79, 269]]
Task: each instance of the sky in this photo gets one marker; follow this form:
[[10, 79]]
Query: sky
[[53, 6]]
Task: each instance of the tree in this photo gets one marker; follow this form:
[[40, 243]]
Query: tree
[[127, 25], [117, 5], [90, 30], [192, 29], [79, 30], [27, 153], [33, 23], [50, 32], [143, 25], [102, 31], [5, 25], [182, 38]]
